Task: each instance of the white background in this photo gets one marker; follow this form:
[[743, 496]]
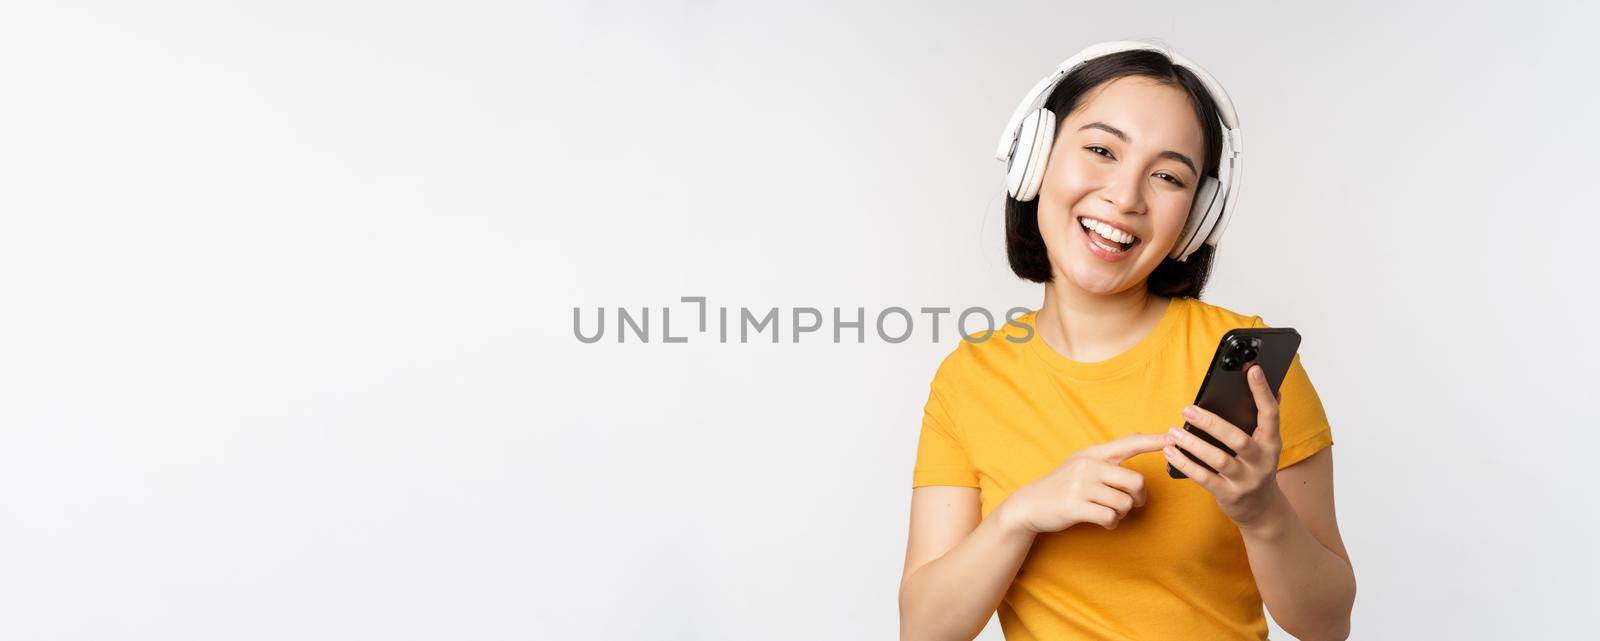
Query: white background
[[287, 346]]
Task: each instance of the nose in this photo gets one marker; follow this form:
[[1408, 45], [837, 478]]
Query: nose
[[1125, 189]]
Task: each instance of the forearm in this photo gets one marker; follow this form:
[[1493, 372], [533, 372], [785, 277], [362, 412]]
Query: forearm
[[1308, 588], [953, 596]]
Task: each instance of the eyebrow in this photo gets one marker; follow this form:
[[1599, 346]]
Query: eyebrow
[[1124, 137]]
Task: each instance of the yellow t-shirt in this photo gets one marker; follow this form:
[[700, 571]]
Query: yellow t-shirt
[[1001, 415]]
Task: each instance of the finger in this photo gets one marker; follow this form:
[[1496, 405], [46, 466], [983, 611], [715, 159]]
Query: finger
[[1113, 498], [1216, 458], [1219, 428], [1266, 405], [1189, 468], [1122, 449], [1101, 515], [1126, 480]]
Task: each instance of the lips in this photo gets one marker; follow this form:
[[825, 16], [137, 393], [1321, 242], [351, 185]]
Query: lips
[[1108, 241]]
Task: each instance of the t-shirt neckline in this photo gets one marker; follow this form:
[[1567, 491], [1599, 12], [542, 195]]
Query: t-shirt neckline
[[1129, 359]]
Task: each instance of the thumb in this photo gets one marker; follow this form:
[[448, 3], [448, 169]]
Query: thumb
[[1122, 449]]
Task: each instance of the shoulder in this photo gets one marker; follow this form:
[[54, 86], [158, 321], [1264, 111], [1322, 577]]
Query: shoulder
[[1212, 319], [979, 358], [1204, 324]]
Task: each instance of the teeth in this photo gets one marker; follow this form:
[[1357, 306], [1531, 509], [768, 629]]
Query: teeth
[[1106, 231]]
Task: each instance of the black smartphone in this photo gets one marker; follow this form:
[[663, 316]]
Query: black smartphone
[[1226, 391]]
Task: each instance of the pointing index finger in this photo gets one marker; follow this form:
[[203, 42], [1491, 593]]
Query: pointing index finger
[[1122, 449]]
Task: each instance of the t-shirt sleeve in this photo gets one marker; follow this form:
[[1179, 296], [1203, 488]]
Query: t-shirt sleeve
[[941, 458], [1301, 420]]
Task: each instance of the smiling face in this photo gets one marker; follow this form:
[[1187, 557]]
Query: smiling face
[[1124, 164]]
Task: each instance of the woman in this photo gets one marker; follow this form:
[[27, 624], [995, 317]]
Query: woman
[[1040, 485]]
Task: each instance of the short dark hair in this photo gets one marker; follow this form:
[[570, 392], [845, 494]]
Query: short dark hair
[[1025, 247]]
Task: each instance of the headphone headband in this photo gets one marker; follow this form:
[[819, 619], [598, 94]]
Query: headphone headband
[[1041, 91]]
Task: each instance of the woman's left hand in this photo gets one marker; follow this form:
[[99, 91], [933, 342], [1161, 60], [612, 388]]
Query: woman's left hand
[[1245, 484]]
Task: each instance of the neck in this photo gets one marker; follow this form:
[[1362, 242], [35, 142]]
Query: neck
[[1086, 326]]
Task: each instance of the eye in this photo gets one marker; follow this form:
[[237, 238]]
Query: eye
[[1097, 149]]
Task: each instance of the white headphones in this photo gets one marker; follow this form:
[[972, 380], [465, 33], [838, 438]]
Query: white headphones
[[1025, 147]]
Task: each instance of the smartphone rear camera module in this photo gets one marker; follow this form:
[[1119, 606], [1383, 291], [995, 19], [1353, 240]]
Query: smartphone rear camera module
[[1242, 350]]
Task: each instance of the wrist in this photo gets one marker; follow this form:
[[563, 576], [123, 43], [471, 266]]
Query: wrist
[[1009, 517], [1272, 520]]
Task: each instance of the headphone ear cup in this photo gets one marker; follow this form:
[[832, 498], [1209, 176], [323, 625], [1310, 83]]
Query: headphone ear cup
[[1222, 223], [1021, 148], [1202, 217], [1025, 172]]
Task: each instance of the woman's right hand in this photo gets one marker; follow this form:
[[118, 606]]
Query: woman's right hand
[[1091, 486]]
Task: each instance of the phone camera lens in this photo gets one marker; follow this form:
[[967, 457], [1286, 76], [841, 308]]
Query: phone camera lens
[[1249, 354], [1229, 362]]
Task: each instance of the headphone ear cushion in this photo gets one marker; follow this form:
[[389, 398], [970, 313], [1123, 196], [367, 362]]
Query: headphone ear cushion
[[1221, 225], [1202, 217], [1032, 153]]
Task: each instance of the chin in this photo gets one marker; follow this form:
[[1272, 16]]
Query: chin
[[1096, 279]]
